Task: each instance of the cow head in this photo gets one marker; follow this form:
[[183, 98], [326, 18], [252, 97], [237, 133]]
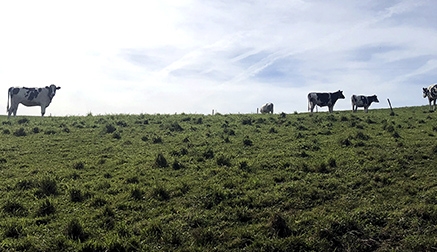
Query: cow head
[[425, 92], [375, 98], [52, 90], [340, 94]]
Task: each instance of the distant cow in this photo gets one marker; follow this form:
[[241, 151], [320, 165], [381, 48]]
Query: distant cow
[[30, 97], [266, 108], [362, 101], [324, 99], [431, 93]]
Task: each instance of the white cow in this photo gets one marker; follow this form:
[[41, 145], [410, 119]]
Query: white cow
[[362, 101], [30, 97], [324, 99], [266, 108], [431, 93]]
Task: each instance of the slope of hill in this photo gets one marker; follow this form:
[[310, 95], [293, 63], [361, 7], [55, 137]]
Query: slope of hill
[[284, 182]]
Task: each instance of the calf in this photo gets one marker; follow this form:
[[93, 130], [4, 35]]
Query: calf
[[266, 108], [362, 101], [431, 93], [30, 97], [324, 99]]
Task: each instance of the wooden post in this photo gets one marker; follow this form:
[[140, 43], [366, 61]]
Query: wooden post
[[257, 110], [213, 112], [392, 113]]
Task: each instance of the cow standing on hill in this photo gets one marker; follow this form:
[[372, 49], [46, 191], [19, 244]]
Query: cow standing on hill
[[362, 101], [324, 99], [30, 97], [431, 93], [266, 108]]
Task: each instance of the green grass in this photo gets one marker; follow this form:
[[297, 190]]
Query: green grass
[[284, 182]]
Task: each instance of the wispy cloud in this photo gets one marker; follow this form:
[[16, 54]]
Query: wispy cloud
[[232, 56]]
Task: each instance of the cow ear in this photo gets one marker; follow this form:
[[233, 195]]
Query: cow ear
[[58, 88], [47, 86]]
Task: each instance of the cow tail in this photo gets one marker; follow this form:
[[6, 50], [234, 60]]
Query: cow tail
[[309, 102], [7, 106]]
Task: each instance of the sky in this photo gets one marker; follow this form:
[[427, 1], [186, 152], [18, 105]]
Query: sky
[[226, 56]]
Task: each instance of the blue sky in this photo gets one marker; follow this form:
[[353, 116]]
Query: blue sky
[[193, 56]]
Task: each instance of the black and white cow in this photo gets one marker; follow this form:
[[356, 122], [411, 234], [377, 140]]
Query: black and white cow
[[30, 97], [324, 99], [362, 101], [266, 108], [431, 93]]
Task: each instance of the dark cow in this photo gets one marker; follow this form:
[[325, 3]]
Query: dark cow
[[431, 93], [267, 108], [324, 99], [30, 97], [362, 101]]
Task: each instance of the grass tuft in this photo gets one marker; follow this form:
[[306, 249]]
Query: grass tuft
[[137, 194], [13, 230], [278, 226], [46, 208], [160, 193], [161, 161], [76, 195], [47, 187], [208, 154], [14, 208], [75, 230], [23, 121], [247, 142], [20, 132], [223, 160], [109, 128], [24, 184], [79, 165]]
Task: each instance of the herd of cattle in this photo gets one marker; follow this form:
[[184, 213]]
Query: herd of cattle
[[43, 97], [329, 100]]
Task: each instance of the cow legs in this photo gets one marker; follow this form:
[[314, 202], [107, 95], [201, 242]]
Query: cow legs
[[366, 109], [312, 107], [13, 110], [43, 110]]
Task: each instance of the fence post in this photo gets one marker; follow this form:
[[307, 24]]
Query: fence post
[[392, 113]]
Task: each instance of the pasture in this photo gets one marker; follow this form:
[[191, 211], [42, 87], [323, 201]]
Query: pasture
[[255, 182]]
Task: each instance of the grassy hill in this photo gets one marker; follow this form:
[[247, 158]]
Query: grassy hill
[[284, 182]]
